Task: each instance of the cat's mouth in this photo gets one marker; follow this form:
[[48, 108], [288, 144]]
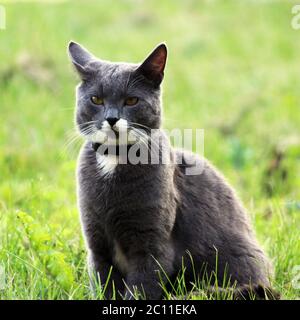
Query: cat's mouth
[[117, 143], [112, 137], [117, 138]]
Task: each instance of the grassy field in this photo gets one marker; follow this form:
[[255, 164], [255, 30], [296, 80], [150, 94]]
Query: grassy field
[[233, 70]]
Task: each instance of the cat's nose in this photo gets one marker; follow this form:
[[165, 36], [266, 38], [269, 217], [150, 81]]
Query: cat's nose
[[112, 121]]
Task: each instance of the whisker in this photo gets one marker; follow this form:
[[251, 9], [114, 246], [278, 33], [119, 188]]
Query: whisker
[[139, 124], [148, 139], [85, 123], [75, 138], [70, 145]]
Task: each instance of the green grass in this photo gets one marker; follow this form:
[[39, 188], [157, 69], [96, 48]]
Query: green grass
[[233, 70]]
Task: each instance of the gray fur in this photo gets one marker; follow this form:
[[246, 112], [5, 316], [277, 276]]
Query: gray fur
[[141, 212]]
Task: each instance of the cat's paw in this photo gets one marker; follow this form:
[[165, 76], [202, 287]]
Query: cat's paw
[[256, 292]]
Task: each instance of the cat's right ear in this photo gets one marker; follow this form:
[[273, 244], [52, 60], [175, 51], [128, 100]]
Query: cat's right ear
[[80, 57], [153, 67]]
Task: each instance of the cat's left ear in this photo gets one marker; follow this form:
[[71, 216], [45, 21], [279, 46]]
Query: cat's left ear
[[154, 65], [80, 57]]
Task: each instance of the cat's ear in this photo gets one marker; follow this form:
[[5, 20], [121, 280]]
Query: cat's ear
[[154, 65], [80, 57]]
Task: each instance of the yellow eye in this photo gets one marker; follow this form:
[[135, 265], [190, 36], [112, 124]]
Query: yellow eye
[[131, 101], [97, 100]]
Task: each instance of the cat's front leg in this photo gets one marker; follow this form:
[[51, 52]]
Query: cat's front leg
[[146, 278], [103, 274]]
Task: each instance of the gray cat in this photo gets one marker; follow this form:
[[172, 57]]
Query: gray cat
[[145, 218]]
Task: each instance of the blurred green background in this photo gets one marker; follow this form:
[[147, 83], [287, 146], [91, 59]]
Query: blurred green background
[[233, 70]]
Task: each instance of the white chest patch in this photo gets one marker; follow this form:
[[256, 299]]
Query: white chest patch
[[107, 163], [120, 259]]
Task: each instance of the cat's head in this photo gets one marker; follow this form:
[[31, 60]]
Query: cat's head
[[117, 96]]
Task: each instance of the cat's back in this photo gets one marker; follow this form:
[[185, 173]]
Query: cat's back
[[207, 199], [211, 218]]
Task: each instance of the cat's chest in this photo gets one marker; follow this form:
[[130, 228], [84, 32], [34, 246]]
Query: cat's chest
[[120, 258], [106, 164]]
